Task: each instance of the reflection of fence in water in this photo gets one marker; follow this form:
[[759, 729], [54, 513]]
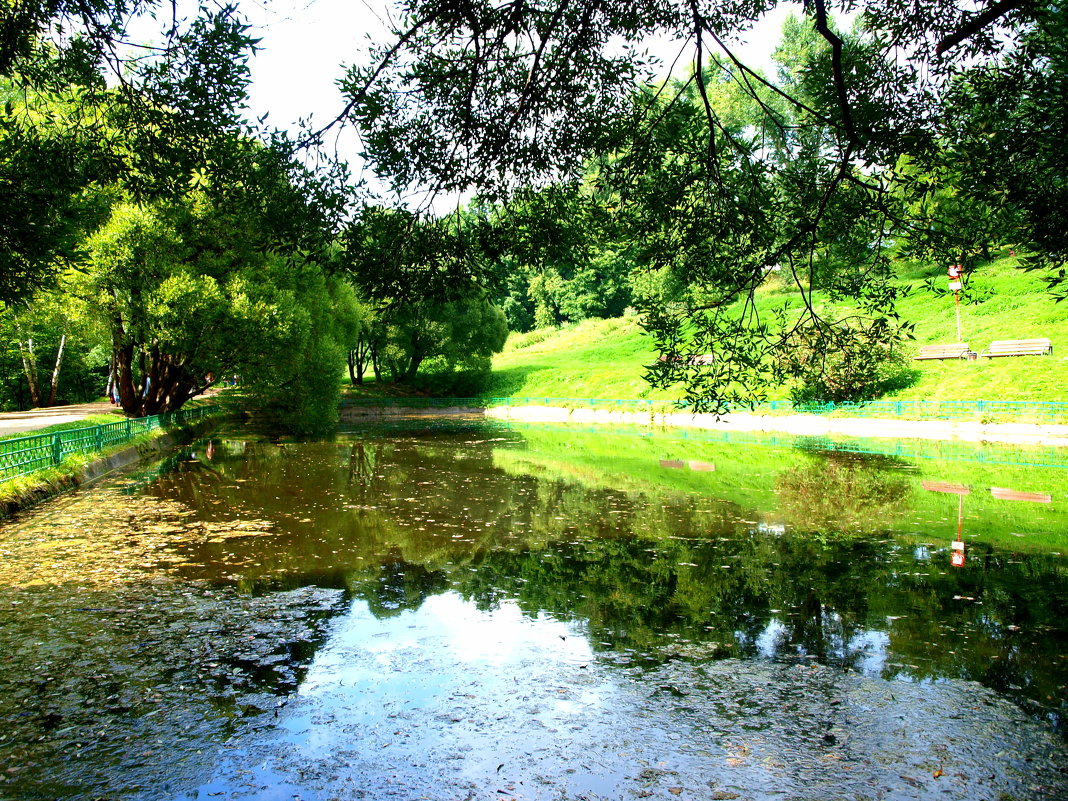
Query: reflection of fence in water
[[995, 454], [1043, 411], [988, 453], [933, 410]]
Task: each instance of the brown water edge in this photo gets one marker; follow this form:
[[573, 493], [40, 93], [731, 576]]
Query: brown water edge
[[119, 680], [805, 425]]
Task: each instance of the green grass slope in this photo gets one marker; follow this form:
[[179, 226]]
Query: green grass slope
[[606, 358]]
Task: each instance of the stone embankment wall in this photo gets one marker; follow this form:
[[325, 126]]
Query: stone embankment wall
[[799, 424]]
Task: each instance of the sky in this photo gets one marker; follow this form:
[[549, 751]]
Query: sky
[[303, 44]]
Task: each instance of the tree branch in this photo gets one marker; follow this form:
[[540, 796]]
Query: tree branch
[[978, 22], [837, 69]]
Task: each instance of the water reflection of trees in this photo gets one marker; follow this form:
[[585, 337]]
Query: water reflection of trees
[[399, 586], [664, 574], [841, 493]]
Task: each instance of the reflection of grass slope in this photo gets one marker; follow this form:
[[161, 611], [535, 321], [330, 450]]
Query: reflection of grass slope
[[606, 358], [754, 477], [625, 459]]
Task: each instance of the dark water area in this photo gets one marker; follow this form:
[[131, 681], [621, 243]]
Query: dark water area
[[467, 610]]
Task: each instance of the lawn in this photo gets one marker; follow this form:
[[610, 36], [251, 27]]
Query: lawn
[[606, 358]]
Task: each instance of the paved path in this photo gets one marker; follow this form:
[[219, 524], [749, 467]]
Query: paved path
[[17, 422]]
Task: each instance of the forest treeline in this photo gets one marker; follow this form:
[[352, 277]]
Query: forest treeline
[[155, 242]]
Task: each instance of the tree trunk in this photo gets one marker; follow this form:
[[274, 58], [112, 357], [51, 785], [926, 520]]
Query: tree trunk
[[29, 365], [111, 379], [413, 367], [375, 364], [358, 359], [129, 396], [55, 372]]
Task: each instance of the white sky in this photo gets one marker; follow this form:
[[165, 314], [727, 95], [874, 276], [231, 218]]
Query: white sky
[[304, 45], [304, 42]]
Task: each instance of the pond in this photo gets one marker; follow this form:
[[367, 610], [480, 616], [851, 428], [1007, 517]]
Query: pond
[[463, 610]]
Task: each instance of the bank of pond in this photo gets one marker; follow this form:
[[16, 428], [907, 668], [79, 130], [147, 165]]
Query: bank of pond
[[432, 608]]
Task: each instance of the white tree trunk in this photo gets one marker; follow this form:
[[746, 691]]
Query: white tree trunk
[[55, 372]]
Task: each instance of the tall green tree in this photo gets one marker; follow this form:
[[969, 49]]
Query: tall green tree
[[460, 336], [424, 286], [81, 105]]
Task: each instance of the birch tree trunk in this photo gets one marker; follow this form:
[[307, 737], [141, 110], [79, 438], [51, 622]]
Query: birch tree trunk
[[55, 372], [29, 365]]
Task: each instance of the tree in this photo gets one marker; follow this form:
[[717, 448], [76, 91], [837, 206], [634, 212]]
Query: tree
[[493, 97], [459, 336], [363, 349], [560, 257], [426, 285], [54, 353], [297, 379], [231, 279], [80, 105]]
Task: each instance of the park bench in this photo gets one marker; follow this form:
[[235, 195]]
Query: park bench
[[1018, 347], [954, 351], [703, 358]]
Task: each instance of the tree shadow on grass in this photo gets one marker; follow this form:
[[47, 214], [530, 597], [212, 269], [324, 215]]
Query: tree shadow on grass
[[511, 381]]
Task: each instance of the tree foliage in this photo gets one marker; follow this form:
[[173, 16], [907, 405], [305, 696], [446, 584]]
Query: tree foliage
[[727, 174], [423, 300], [129, 171]]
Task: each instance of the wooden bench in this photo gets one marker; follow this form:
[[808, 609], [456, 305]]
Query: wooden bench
[[1018, 347], [955, 351], [704, 358]]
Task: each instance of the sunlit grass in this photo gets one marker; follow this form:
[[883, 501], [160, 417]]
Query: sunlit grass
[[607, 358]]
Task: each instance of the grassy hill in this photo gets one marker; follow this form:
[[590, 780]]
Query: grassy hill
[[605, 358]]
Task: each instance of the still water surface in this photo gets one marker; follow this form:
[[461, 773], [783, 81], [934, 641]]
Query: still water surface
[[474, 611]]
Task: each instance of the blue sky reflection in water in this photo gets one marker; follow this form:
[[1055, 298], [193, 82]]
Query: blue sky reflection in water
[[563, 613]]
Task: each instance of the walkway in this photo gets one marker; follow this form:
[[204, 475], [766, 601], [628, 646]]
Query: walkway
[[18, 422]]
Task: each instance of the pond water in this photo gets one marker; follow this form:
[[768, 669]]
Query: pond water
[[471, 611]]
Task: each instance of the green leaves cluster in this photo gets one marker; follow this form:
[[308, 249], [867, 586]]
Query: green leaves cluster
[[193, 252], [926, 130], [424, 300]]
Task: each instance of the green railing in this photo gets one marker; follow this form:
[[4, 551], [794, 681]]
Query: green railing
[[1030, 411], [40, 451]]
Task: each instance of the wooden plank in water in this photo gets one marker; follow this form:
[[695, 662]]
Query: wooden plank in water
[[945, 486], [1016, 495]]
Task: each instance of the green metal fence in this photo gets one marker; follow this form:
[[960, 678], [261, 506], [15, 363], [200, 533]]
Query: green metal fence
[[1030, 411], [39, 451]]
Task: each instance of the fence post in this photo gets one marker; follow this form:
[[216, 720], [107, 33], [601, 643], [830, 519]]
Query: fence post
[[99, 438], [57, 449], [129, 429]]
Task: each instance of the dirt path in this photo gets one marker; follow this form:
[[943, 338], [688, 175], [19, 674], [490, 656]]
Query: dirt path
[[17, 422]]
